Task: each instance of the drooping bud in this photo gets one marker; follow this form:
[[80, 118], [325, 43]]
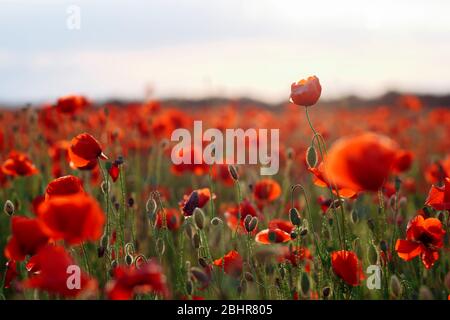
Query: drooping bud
[[9, 208], [233, 172], [199, 218], [294, 216], [216, 221], [311, 156]]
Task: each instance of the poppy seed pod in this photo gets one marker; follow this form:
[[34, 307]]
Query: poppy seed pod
[[311, 156], [233, 172], [199, 218], [216, 221], [9, 208], [294, 216]]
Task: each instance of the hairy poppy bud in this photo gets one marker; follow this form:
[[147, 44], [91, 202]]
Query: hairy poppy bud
[[200, 275], [199, 218], [294, 235], [202, 262], [294, 216], [101, 251], [130, 202], [247, 220], [129, 259], [395, 287], [233, 172], [249, 277], [304, 232], [196, 241], [9, 208], [216, 221], [354, 216], [326, 292], [311, 156], [252, 225], [105, 186]]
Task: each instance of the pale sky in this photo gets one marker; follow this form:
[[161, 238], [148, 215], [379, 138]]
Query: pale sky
[[232, 48]]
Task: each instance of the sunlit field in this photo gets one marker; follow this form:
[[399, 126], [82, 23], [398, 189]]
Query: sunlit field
[[95, 208]]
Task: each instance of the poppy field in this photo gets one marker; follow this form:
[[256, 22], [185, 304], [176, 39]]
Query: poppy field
[[95, 208]]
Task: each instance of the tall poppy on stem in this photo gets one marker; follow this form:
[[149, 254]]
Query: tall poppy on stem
[[347, 266], [231, 263], [65, 185], [84, 151], [439, 197], [306, 92]]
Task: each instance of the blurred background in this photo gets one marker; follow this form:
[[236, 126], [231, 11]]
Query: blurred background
[[194, 49]]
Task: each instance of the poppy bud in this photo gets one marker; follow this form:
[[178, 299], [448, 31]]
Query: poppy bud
[[383, 246], [105, 186], [354, 216], [233, 172], [189, 287], [151, 205], [160, 246], [129, 259], [326, 292], [130, 202], [305, 284], [303, 232], [101, 251], [120, 160], [117, 206], [196, 241], [372, 254], [371, 224], [425, 293], [202, 262], [9, 208], [189, 230], [249, 277], [216, 221], [395, 286], [199, 218], [441, 216], [295, 217], [200, 275], [252, 225], [293, 235], [398, 183], [311, 156]]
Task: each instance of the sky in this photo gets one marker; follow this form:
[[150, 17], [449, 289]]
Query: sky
[[197, 48]]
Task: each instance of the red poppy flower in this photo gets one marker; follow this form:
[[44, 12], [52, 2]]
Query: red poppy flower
[[173, 219], [324, 203], [245, 209], [403, 161], [283, 225], [321, 181], [27, 238], [423, 238], [347, 266], [74, 218], [231, 263], [266, 190], [114, 171], [53, 263], [18, 164], [11, 273], [296, 256], [71, 104], [270, 236], [362, 162], [197, 199], [306, 92], [85, 150], [132, 280], [437, 172], [63, 186], [439, 197]]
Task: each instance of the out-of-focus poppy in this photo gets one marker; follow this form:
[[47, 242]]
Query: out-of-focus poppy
[[424, 236], [284, 225], [321, 181], [74, 218], [296, 256], [231, 215], [266, 190], [197, 199], [347, 266], [221, 173], [306, 92], [63, 186], [410, 102], [437, 172], [195, 165], [231, 263], [362, 162], [128, 281], [71, 104], [270, 236], [173, 219], [324, 203], [439, 197], [403, 161], [85, 150], [114, 171], [18, 164], [52, 263], [27, 238]]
